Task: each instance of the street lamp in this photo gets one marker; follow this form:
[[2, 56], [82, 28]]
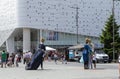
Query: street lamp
[[113, 32], [113, 13], [76, 21]]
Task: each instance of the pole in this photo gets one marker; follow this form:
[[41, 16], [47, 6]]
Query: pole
[[77, 23], [113, 32]]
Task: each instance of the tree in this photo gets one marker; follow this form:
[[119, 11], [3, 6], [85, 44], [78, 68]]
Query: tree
[[107, 37]]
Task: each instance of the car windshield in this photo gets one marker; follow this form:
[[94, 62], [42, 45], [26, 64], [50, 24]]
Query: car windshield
[[100, 51]]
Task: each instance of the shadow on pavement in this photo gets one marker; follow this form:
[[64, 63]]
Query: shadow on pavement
[[96, 69], [44, 70], [99, 69]]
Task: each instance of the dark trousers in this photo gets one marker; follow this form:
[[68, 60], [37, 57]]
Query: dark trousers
[[86, 65], [42, 63]]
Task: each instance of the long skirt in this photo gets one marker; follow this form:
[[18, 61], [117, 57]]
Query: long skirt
[[36, 61]]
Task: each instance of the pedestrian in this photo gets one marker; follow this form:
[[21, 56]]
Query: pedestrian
[[85, 53], [49, 56], [16, 59], [3, 59], [65, 59], [119, 64], [91, 54], [10, 63], [62, 58], [55, 58], [13, 58], [37, 58], [27, 57], [30, 54], [0, 59], [7, 57], [24, 60], [94, 61], [43, 49]]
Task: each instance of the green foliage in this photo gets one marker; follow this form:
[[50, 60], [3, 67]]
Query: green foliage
[[107, 36]]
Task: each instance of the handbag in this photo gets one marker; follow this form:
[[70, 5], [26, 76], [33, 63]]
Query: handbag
[[81, 59]]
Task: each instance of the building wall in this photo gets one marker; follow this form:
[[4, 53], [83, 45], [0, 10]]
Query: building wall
[[59, 15], [8, 19], [61, 38], [8, 14]]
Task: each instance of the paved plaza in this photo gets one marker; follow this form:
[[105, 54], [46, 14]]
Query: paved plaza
[[72, 70]]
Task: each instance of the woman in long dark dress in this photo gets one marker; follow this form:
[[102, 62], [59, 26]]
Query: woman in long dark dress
[[37, 58], [86, 52]]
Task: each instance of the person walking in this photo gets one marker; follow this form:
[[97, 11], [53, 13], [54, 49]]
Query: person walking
[[85, 53], [3, 59]]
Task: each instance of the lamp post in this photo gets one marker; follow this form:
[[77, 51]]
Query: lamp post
[[113, 31], [76, 21], [113, 13]]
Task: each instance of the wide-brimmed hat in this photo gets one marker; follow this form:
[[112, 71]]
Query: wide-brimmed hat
[[42, 39]]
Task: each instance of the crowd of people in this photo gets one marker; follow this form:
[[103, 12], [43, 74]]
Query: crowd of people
[[13, 59], [52, 55], [9, 60], [30, 59]]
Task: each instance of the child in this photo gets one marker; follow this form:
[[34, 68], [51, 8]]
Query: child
[[9, 63], [94, 61]]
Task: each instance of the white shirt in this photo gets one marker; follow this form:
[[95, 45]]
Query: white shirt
[[119, 59], [16, 57]]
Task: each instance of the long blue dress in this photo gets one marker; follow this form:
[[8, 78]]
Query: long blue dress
[[86, 52], [37, 59]]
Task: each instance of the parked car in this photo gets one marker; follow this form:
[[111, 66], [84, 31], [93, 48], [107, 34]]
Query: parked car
[[102, 57]]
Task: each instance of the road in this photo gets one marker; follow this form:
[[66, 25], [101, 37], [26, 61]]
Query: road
[[72, 70]]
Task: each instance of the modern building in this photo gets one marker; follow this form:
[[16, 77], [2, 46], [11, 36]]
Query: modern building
[[61, 22]]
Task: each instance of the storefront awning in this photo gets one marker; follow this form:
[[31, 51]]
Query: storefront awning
[[50, 48], [76, 47]]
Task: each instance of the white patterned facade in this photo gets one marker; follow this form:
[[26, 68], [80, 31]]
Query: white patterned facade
[[58, 16]]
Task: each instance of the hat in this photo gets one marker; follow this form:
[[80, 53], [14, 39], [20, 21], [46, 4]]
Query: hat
[[87, 40], [42, 40]]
